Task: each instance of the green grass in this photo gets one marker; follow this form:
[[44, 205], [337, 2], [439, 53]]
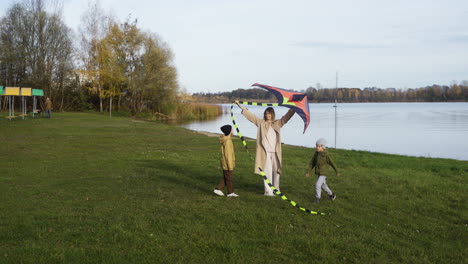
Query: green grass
[[84, 188]]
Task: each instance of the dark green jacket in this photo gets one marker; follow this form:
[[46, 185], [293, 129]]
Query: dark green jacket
[[321, 161]]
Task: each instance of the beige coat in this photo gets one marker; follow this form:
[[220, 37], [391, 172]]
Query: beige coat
[[228, 159], [263, 125]]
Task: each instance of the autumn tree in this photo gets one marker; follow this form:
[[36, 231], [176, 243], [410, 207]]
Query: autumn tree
[[92, 31], [112, 66], [158, 75], [133, 66]]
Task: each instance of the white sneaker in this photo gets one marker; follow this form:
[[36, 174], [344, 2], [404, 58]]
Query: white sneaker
[[218, 192], [269, 194], [232, 195]]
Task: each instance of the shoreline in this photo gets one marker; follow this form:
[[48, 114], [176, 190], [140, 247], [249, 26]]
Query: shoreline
[[211, 134]]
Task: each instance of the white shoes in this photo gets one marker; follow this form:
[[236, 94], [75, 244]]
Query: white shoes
[[269, 194], [218, 192]]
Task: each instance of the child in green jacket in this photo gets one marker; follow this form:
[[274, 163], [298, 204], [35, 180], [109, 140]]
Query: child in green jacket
[[228, 161], [321, 161]]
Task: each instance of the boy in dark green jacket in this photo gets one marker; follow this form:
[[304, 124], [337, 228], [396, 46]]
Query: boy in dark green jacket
[[321, 161]]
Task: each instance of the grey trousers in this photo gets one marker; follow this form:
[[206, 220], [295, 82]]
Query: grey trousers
[[271, 168], [321, 184]]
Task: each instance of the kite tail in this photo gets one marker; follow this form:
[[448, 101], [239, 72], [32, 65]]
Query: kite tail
[[275, 191], [280, 194]]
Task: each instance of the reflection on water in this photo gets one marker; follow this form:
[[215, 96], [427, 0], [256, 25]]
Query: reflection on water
[[415, 129]]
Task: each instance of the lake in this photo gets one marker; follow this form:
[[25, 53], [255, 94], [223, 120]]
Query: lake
[[438, 130]]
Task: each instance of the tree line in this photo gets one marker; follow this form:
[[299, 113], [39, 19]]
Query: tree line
[[106, 65], [435, 93]]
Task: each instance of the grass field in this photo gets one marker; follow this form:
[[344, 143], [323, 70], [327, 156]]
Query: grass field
[[84, 188]]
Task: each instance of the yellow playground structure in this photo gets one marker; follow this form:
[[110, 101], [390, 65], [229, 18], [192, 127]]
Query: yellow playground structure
[[23, 93]]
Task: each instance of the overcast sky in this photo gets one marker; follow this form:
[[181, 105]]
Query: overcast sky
[[224, 45]]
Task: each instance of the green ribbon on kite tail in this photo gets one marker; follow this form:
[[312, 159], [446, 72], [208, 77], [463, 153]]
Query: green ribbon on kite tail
[[275, 191]]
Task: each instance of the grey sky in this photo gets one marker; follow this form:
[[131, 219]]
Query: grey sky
[[224, 45]]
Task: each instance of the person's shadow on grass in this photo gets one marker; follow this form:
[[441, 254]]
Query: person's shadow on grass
[[193, 177]]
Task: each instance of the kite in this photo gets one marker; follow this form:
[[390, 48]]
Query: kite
[[294, 100]]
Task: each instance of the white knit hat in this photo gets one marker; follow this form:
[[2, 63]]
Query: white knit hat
[[321, 141]]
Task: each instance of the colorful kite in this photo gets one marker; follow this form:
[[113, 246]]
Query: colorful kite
[[294, 100]]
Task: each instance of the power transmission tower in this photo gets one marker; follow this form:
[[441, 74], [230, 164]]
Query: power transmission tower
[[336, 84], [336, 120], [336, 107]]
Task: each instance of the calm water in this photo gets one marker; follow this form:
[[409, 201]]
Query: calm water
[[415, 129]]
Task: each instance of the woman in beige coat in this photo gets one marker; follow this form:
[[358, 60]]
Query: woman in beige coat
[[268, 150]]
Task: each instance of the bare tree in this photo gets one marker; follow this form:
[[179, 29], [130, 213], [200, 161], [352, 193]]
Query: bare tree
[[33, 41]]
